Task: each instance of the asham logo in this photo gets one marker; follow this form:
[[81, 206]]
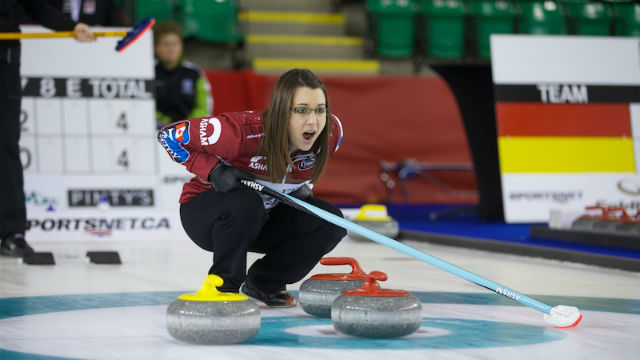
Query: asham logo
[[629, 186], [253, 185], [508, 293], [215, 135], [115, 197], [255, 163], [561, 197]]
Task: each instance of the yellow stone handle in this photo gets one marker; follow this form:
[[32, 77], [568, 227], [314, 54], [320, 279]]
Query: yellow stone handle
[[209, 286], [208, 292]]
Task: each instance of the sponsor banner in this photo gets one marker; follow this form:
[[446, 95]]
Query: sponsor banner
[[106, 224], [529, 59], [111, 197], [530, 197], [566, 106], [69, 192]]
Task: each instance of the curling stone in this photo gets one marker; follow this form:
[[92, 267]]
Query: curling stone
[[629, 228], [209, 316], [590, 224], [318, 292], [373, 312], [375, 218], [596, 225]]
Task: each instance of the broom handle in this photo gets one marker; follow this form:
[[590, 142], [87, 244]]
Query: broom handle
[[379, 238], [57, 34]]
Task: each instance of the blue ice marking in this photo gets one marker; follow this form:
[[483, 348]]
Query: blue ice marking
[[462, 334]]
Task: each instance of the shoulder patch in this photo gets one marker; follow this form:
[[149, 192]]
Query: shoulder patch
[[172, 138]]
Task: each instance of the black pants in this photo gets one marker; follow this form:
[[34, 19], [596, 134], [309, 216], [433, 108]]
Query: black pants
[[233, 223], [13, 214]]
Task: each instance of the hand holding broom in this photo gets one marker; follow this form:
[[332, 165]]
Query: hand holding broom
[[83, 33]]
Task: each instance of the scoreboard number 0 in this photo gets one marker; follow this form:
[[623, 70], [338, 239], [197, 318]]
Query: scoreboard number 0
[[25, 158]]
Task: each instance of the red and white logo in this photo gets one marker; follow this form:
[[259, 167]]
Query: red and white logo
[[257, 163], [180, 131]]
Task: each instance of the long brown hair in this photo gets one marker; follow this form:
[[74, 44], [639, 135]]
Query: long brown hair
[[275, 144]]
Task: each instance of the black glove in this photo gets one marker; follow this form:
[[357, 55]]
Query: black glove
[[303, 193], [225, 178]]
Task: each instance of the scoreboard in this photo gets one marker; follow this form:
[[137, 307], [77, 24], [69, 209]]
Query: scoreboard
[[92, 165], [87, 125], [568, 120]]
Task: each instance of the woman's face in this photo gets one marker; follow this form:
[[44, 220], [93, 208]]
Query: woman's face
[[169, 49], [308, 118]]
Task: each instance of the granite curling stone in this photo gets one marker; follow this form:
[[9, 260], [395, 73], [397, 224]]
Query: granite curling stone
[[209, 316], [595, 225], [317, 293], [373, 312], [375, 218]]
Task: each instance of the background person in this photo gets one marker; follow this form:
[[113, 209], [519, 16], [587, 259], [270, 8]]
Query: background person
[[13, 213], [182, 89]]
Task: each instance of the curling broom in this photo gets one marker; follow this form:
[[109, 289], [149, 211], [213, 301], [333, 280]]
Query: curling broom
[[560, 316]]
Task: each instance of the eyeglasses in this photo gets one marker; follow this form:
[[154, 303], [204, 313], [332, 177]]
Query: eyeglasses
[[306, 111]]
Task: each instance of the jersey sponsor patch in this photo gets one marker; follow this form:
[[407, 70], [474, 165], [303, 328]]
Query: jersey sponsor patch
[[257, 163], [305, 163], [215, 134], [173, 137]]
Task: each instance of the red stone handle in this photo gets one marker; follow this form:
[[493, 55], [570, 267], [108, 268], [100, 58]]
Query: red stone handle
[[355, 267]]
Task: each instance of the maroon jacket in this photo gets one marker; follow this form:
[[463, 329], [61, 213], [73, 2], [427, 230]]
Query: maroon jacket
[[235, 137]]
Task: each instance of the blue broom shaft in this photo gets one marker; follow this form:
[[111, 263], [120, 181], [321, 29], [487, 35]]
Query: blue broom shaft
[[429, 259]]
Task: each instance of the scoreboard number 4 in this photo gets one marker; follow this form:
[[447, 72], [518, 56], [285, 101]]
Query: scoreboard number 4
[[121, 122], [123, 159]]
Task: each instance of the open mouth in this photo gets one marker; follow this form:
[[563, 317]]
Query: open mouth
[[308, 135]]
